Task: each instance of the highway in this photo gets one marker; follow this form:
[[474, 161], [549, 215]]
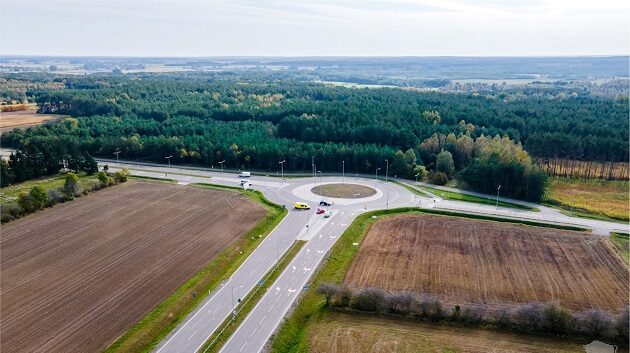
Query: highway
[[320, 234]]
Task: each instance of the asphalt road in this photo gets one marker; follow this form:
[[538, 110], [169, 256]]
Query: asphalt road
[[320, 234]]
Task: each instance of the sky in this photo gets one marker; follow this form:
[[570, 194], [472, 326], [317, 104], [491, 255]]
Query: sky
[[314, 27]]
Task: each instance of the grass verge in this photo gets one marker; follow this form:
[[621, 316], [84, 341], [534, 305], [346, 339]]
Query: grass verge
[[218, 339], [622, 243], [147, 333], [450, 195], [292, 336]]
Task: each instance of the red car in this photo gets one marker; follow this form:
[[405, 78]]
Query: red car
[[320, 211]]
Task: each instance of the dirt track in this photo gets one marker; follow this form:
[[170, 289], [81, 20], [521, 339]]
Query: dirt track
[[468, 261], [76, 276]]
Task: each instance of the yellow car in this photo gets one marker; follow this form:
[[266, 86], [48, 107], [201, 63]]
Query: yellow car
[[301, 206]]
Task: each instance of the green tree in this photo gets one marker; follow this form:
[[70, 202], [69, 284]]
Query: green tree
[[7, 175], [444, 163], [122, 175], [399, 166], [71, 185]]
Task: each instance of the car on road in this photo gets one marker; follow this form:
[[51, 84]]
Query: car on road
[[301, 206], [320, 211], [328, 214], [324, 203], [245, 174]]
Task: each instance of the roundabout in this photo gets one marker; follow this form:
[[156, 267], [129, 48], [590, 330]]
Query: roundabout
[[343, 190]]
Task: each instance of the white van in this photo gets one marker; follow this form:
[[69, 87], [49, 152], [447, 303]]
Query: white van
[[245, 174]]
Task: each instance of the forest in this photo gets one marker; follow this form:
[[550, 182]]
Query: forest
[[255, 121]]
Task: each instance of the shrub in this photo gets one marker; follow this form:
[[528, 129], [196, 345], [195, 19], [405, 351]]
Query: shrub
[[501, 318], [556, 319], [594, 323], [10, 211], [622, 324], [55, 196], [369, 299], [39, 196], [343, 298], [473, 314], [400, 303], [71, 185], [430, 308], [528, 317], [328, 290], [122, 175], [26, 202], [439, 178], [103, 178]]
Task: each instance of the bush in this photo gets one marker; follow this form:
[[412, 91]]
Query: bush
[[501, 318], [369, 299], [328, 290], [343, 298], [39, 196], [103, 178], [55, 196], [438, 178], [400, 303], [528, 317], [430, 308], [10, 211], [71, 185], [622, 324], [122, 175], [556, 319], [594, 323], [473, 314], [26, 202]]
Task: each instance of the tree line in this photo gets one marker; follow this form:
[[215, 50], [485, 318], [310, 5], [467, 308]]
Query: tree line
[[533, 318]]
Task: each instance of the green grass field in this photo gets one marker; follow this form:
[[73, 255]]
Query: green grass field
[[449, 195], [599, 199], [11, 193], [622, 243]]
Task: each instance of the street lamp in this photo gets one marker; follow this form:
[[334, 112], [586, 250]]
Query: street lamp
[[117, 153], [376, 176], [417, 174], [233, 304], [387, 184], [497, 204], [282, 167], [221, 163], [169, 163], [343, 172], [313, 166]]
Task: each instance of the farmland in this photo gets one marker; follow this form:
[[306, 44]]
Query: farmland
[[24, 119], [473, 261], [592, 197], [342, 333], [344, 190], [97, 265]]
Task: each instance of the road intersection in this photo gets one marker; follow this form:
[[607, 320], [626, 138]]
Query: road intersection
[[320, 234]]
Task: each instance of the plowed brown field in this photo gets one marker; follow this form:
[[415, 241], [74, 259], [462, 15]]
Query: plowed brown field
[[24, 119], [469, 261], [78, 275]]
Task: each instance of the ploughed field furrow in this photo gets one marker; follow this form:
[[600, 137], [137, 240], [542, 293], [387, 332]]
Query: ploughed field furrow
[[76, 276], [468, 261]]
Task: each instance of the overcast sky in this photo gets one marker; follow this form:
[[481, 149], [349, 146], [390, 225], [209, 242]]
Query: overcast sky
[[315, 27]]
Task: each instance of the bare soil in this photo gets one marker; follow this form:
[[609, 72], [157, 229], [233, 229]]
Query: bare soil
[[76, 276], [346, 191], [341, 333], [24, 119], [469, 261]]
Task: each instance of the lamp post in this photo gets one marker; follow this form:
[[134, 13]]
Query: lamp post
[[387, 184], [343, 172], [417, 174], [282, 168], [233, 304], [313, 166], [496, 206], [169, 163], [117, 153], [376, 176], [221, 163]]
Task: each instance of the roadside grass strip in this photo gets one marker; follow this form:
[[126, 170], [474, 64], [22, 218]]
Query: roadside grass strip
[[231, 324], [450, 195], [149, 332], [621, 241]]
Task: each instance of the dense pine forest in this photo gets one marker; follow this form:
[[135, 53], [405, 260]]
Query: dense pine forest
[[253, 122]]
